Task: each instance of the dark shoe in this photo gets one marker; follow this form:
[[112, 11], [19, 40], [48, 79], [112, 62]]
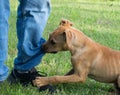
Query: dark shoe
[[26, 78]]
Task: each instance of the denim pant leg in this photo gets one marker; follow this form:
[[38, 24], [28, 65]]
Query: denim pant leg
[[31, 20], [4, 14]]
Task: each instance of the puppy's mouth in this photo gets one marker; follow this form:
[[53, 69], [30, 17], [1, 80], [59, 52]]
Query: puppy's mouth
[[50, 51], [53, 52]]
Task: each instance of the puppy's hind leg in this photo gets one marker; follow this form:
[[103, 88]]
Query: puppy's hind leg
[[117, 86]]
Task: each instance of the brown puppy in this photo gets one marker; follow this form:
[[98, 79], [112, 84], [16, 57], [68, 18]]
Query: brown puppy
[[88, 58]]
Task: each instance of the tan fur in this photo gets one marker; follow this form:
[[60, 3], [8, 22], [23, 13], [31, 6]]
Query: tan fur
[[88, 58]]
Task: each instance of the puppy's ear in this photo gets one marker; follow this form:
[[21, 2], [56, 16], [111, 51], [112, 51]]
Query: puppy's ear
[[67, 37], [64, 36], [65, 23]]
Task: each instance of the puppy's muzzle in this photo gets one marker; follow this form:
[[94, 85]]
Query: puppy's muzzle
[[46, 49]]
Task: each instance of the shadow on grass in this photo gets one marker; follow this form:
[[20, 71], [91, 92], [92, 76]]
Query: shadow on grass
[[88, 88]]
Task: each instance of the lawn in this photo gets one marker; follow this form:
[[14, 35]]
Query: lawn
[[98, 19]]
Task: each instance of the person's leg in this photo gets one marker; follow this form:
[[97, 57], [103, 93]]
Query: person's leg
[[4, 15], [32, 17], [31, 20]]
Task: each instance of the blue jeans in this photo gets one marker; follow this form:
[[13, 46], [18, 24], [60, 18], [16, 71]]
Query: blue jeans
[[32, 16]]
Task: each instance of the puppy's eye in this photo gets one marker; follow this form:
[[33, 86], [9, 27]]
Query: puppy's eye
[[53, 42]]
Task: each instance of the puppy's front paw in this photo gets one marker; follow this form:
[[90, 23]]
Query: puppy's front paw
[[39, 81]]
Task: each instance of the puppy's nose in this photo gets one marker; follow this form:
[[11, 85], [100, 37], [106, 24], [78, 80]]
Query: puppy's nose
[[44, 47]]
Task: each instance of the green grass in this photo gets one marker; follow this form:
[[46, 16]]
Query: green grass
[[99, 19]]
